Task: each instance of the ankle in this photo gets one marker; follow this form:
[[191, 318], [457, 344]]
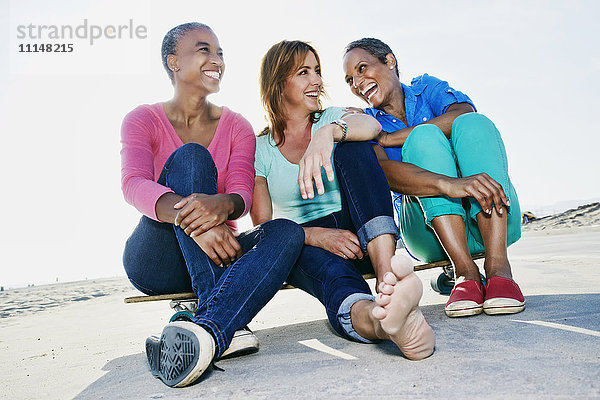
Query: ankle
[[381, 250], [471, 273], [502, 274], [363, 321], [497, 266]]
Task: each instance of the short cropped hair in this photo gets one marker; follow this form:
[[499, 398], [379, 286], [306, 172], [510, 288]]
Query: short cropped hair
[[375, 47], [171, 39]]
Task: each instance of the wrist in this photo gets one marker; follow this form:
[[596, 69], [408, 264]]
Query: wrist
[[397, 138], [164, 207], [443, 184], [228, 203], [382, 138], [340, 131], [330, 131], [309, 236]]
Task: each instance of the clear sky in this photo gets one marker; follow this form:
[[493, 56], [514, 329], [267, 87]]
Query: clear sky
[[532, 66]]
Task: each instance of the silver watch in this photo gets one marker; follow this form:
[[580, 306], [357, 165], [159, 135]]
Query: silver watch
[[344, 125]]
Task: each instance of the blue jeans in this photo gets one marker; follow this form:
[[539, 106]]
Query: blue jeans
[[160, 258], [475, 146], [367, 211]]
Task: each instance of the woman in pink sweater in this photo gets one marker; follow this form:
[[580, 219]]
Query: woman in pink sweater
[[188, 166]]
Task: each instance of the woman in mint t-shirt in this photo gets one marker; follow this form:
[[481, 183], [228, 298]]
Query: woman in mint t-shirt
[[352, 213]]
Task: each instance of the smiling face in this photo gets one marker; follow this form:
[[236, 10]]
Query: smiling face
[[303, 88], [369, 78], [198, 61]]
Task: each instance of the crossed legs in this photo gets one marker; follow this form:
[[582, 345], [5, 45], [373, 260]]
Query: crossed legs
[[459, 225]]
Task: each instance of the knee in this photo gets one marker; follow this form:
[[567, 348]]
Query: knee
[[352, 151], [472, 124], [133, 270], [423, 139], [191, 154], [286, 230], [190, 160], [471, 118], [129, 261]]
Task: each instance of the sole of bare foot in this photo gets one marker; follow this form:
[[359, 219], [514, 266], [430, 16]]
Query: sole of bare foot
[[397, 309]]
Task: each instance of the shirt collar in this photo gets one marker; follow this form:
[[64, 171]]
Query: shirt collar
[[410, 101]]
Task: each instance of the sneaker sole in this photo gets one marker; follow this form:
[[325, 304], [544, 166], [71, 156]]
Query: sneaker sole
[[503, 310], [503, 306], [464, 312], [244, 342], [182, 353], [152, 352]]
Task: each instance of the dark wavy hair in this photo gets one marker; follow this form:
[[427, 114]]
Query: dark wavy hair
[[375, 47], [169, 43]]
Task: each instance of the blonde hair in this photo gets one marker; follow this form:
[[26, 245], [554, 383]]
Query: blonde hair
[[279, 63]]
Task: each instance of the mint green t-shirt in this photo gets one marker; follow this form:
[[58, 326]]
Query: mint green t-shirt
[[282, 179]]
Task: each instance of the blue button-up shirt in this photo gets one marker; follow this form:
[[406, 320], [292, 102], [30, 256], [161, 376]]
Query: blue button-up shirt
[[427, 97]]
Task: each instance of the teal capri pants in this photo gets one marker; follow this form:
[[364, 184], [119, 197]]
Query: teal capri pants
[[475, 147]]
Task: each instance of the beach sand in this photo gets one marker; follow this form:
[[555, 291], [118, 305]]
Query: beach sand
[[79, 339]]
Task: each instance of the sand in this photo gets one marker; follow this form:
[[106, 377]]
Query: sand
[[79, 339], [586, 215]]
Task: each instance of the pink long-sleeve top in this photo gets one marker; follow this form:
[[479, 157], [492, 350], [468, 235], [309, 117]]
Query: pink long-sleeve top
[[148, 139]]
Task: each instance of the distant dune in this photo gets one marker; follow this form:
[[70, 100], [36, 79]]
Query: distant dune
[[587, 215]]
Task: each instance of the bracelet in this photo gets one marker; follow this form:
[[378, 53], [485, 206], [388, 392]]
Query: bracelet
[[344, 125]]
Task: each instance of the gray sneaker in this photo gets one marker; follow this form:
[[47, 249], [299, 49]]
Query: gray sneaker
[[181, 354], [244, 342]]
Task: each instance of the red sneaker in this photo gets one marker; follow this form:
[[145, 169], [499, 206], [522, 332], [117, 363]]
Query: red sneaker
[[503, 296], [465, 299]]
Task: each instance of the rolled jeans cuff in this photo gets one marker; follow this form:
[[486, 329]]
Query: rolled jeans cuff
[[343, 316], [377, 226]]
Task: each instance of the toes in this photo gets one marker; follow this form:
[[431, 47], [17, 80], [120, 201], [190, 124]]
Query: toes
[[390, 278], [379, 312], [401, 265], [386, 289], [383, 299]]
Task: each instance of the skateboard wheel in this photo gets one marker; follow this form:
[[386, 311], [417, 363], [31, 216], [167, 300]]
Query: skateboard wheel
[[182, 316], [442, 284]]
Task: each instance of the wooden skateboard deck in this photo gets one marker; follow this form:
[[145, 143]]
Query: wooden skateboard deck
[[178, 297]]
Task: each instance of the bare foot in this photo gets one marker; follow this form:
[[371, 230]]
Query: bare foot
[[397, 309]]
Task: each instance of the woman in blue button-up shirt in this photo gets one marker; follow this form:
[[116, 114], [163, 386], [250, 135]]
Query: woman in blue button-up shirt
[[452, 162]]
